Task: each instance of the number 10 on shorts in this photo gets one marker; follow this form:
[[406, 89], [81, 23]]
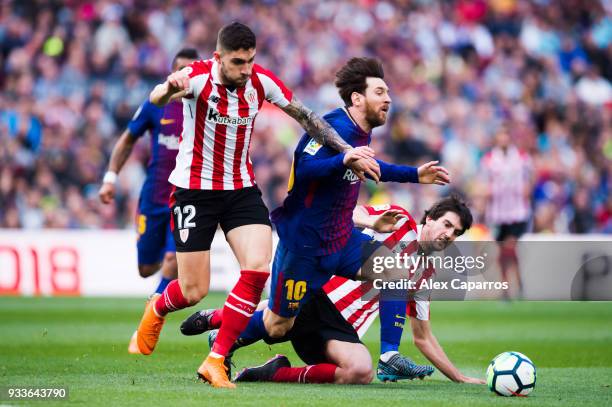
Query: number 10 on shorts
[[295, 290]]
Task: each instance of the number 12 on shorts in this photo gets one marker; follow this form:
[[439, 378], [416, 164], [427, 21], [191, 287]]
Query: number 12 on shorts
[[295, 290], [189, 212]]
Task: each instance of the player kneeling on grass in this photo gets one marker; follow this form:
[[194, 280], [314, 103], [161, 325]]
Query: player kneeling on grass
[[326, 334]]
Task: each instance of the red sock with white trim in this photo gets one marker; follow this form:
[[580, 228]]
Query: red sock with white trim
[[239, 308], [172, 299], [321, 373]]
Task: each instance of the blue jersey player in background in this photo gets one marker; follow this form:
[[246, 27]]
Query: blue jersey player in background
[[156, 250], [317, 236]]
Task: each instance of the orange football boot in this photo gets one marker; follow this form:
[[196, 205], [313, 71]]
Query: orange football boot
[[214, 371], [149, 329]]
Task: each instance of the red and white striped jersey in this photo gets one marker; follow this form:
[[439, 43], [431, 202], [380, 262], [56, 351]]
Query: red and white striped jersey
[[217, 127], [508, 176], [357, 301]]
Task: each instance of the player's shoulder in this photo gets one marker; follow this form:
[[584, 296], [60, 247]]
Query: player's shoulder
[[200, 67], [382, 208]]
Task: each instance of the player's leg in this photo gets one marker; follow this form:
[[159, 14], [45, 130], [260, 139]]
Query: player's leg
[[153, 251], [194, 220], [246, 223], [353, 361]]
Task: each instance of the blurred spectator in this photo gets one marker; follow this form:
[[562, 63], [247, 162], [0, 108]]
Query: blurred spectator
[[74, 72]]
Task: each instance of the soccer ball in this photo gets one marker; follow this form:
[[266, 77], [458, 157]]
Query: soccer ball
[[511, 374]]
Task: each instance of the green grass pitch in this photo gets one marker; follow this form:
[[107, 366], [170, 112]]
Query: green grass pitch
[[81, 343]]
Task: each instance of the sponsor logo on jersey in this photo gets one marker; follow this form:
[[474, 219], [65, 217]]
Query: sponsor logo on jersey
[[166, 121], [350, 176], [218, 118], [312, 147], [214, 98], [170, 141], [184, 235]]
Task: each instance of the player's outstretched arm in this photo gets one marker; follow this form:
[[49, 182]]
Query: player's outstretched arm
[[121, 151], [325, 134], [427, 343], [176, 86], [428, 173]]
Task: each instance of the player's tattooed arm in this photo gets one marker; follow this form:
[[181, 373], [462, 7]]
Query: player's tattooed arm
[[318, 128], [359, 159]]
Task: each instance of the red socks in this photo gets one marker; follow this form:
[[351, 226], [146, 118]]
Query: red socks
[[321, 373], [172, 299], [238, 309], [216, 318]]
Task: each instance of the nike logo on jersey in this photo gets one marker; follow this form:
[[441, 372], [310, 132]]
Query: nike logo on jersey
[[166, 121]]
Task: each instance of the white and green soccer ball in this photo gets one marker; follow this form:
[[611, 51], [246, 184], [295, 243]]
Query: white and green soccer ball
[[511, 374]]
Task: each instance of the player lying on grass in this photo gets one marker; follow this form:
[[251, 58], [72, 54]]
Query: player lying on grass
[[327, 330], [156, 249], [317, 238]]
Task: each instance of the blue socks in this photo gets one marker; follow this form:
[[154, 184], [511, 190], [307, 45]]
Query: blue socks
[[255, 330], [163, 283], [392, 309]]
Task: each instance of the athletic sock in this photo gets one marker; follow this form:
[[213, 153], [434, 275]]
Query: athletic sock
[[163, 283], [392, 311], [171, 300], [255, 330], [239, 307], [387, 355], [216, 318], [321, 373]]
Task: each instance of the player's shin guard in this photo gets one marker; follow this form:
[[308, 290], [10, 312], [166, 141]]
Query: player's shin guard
[[239, 308], [392, 317], [321, 373], [171, 300]]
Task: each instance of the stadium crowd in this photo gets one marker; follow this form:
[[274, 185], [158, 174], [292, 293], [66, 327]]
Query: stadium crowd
[[74, 72]]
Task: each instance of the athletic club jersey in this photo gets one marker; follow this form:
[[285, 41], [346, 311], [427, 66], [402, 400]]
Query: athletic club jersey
[[357, 301], [316, 217], [218, 124], [165, 126]]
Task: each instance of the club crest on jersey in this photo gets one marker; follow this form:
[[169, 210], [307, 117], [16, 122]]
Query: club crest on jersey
[[251, 95], [312, 147], [184, 235]]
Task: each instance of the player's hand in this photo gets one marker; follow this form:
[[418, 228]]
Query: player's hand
[[363, 167], [430, 173], [178, 81], [356, 153], [472, 380], [387, 221], [107, 193]]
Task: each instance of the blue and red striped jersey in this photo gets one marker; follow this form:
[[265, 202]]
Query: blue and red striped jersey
[[316, 217]]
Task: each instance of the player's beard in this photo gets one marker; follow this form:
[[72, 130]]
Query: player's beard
[[240, 81], [373, 117]]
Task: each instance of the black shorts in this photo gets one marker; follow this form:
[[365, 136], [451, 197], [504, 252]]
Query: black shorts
[[506, 230], [318, 322], [197, 213]]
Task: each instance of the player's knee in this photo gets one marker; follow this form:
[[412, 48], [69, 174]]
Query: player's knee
[[278, 330], [360, 374], [147, 270]]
